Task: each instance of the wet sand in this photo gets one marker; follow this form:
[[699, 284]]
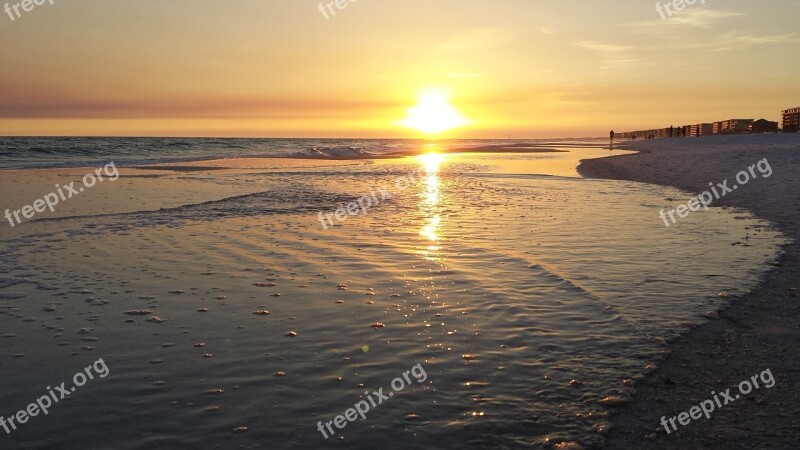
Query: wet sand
[[229, 317], [758, 331]]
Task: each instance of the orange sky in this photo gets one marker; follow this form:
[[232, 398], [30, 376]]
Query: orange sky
[[280, 68]]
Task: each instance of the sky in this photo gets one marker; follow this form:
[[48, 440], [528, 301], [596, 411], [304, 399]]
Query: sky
[[280, 68]]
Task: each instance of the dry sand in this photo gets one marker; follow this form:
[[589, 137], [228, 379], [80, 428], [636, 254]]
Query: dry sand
[[756, 332]]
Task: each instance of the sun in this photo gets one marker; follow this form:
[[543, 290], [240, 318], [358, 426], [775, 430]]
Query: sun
[[434, 114]]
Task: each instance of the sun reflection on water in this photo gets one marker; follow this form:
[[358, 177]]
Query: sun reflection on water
[[429, 205]]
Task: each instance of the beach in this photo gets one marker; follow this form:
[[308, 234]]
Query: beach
[[228, 310], [348, 224], [755, 332]]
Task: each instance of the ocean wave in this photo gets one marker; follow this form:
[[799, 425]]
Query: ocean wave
[[329, 152], [55, 152]]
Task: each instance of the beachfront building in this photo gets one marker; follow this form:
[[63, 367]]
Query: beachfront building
[[655, 133], [724, 127], [701, 129], [735, 126], [763, 126], [732, 126], [791, 120]]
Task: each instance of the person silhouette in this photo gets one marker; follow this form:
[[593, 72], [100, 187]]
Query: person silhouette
[[611, 135]]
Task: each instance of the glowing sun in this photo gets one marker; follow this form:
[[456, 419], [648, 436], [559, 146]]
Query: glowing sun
[[434, 114]]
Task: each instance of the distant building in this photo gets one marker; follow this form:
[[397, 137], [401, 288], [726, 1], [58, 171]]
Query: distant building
[[701, 129], [735, 126], [763, 126], [791, 120], [725, 127]]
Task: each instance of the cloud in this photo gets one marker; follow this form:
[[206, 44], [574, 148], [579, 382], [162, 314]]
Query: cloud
[[613, 56], [33, 105], [464, 75], [696, 17], [475, 39], [706, 22], [734, 41], [603, 48]]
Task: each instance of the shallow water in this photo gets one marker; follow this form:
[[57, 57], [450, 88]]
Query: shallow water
[[526, 299], [33, 152]]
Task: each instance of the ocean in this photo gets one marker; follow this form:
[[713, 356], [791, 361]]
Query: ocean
[[26, 152]]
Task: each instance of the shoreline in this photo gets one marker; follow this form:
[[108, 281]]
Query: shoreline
[[319, 156], [753, 333]]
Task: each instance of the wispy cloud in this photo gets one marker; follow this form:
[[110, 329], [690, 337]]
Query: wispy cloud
[[464, 75], [732, 41], [74, 105], [706, 21], [735, 41], [691, 18], [613, 56], [603, 48], [476, 39]]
